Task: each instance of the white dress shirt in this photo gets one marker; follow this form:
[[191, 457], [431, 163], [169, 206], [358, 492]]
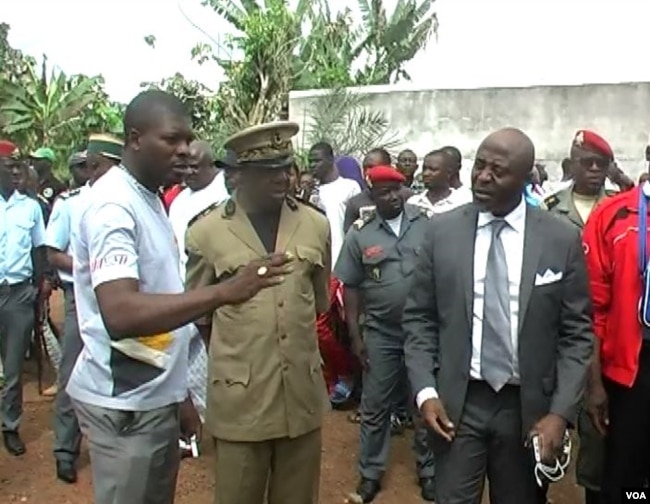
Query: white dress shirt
[[189, 204], [512, 238]]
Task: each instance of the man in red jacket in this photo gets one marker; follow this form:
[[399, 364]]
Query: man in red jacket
[[618, 392]]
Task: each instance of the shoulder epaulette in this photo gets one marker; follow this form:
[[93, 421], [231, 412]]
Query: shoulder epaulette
[[427, 212], [362, 221], [303, 202], [203, 213], [69, 193], [551, 201]]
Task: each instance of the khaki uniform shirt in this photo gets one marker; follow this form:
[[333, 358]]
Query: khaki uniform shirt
[[562, 204], [265, 378]]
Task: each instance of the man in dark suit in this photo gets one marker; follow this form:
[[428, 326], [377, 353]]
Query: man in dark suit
[[497, 347]]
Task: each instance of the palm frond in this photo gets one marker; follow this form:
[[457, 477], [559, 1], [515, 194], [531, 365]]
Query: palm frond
[[343, 119]]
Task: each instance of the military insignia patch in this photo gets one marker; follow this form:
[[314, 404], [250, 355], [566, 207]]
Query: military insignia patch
[[48, 192], [551, 201], [373, 251], [376, 274], [580, 138], [230, 208]]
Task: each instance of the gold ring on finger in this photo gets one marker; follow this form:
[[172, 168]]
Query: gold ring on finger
[[262, 271]]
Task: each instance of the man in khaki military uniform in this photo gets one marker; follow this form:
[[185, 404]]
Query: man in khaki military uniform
[[266, 393], [591, 157], [589, 162]]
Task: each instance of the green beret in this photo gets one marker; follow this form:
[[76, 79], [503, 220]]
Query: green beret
[[263, 142], [106, 145]]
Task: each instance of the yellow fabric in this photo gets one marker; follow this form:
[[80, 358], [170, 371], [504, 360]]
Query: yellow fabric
[[160, 342], [148, 349]]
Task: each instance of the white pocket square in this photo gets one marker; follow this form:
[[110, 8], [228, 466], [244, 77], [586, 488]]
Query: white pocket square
[[548, 277]]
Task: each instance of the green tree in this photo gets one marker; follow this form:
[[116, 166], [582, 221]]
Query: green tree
[[201, 103], [56, 110], [278, 49], [330, 50]]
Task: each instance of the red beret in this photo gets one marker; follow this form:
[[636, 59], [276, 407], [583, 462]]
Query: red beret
[[384, 174], [7, 149], [590, 141]]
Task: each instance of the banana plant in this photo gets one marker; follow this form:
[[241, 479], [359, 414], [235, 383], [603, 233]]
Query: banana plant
[[44, 109]]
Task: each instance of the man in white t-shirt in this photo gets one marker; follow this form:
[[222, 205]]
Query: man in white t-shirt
[[334, 191], [204, 188], [129, 385]]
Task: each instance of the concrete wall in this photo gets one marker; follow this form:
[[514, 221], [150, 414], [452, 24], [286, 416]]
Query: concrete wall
[[550, 115]]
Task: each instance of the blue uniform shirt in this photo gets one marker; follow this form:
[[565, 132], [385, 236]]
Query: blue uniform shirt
[[21, 230], [58, 231]]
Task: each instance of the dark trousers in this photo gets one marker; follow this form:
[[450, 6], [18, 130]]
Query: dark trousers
[[16, 326], [627, 444], [489, 442], [381, 388], [67, 436]]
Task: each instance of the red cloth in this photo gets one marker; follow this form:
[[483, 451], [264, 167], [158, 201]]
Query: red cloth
[[169, 195], [611, 246], [588, 140], [378, 174], [7, 148], [336, 357]]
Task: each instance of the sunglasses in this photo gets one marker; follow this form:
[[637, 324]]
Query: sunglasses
[[588, 162]]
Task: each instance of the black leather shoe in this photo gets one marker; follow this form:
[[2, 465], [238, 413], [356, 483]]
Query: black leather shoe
[[428, 487], [13, 443], [66, 471], [368, 489]]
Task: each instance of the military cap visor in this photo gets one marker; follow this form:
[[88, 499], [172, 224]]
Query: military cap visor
[[266, 145], [106, 145], [77, 158]]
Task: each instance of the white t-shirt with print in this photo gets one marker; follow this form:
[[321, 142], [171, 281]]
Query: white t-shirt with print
[[334, 197], [124, 233]]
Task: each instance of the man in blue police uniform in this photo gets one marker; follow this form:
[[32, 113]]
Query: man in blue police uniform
[[21, 230], [103, 153], [376, 265]]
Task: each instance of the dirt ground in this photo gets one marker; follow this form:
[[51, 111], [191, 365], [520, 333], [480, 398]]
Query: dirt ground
[[31, 478]]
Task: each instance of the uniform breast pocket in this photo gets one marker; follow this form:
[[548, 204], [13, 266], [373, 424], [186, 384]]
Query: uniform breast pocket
[[309, 258], [374, 267], [21, 235], [227, 267], [410, 258]]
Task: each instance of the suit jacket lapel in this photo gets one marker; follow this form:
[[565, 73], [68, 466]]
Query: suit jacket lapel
[[465, 255], [242, 228], [533, 243], [289, 224]]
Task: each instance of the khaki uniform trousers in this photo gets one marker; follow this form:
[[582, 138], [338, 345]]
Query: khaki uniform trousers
[[285, 470]]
